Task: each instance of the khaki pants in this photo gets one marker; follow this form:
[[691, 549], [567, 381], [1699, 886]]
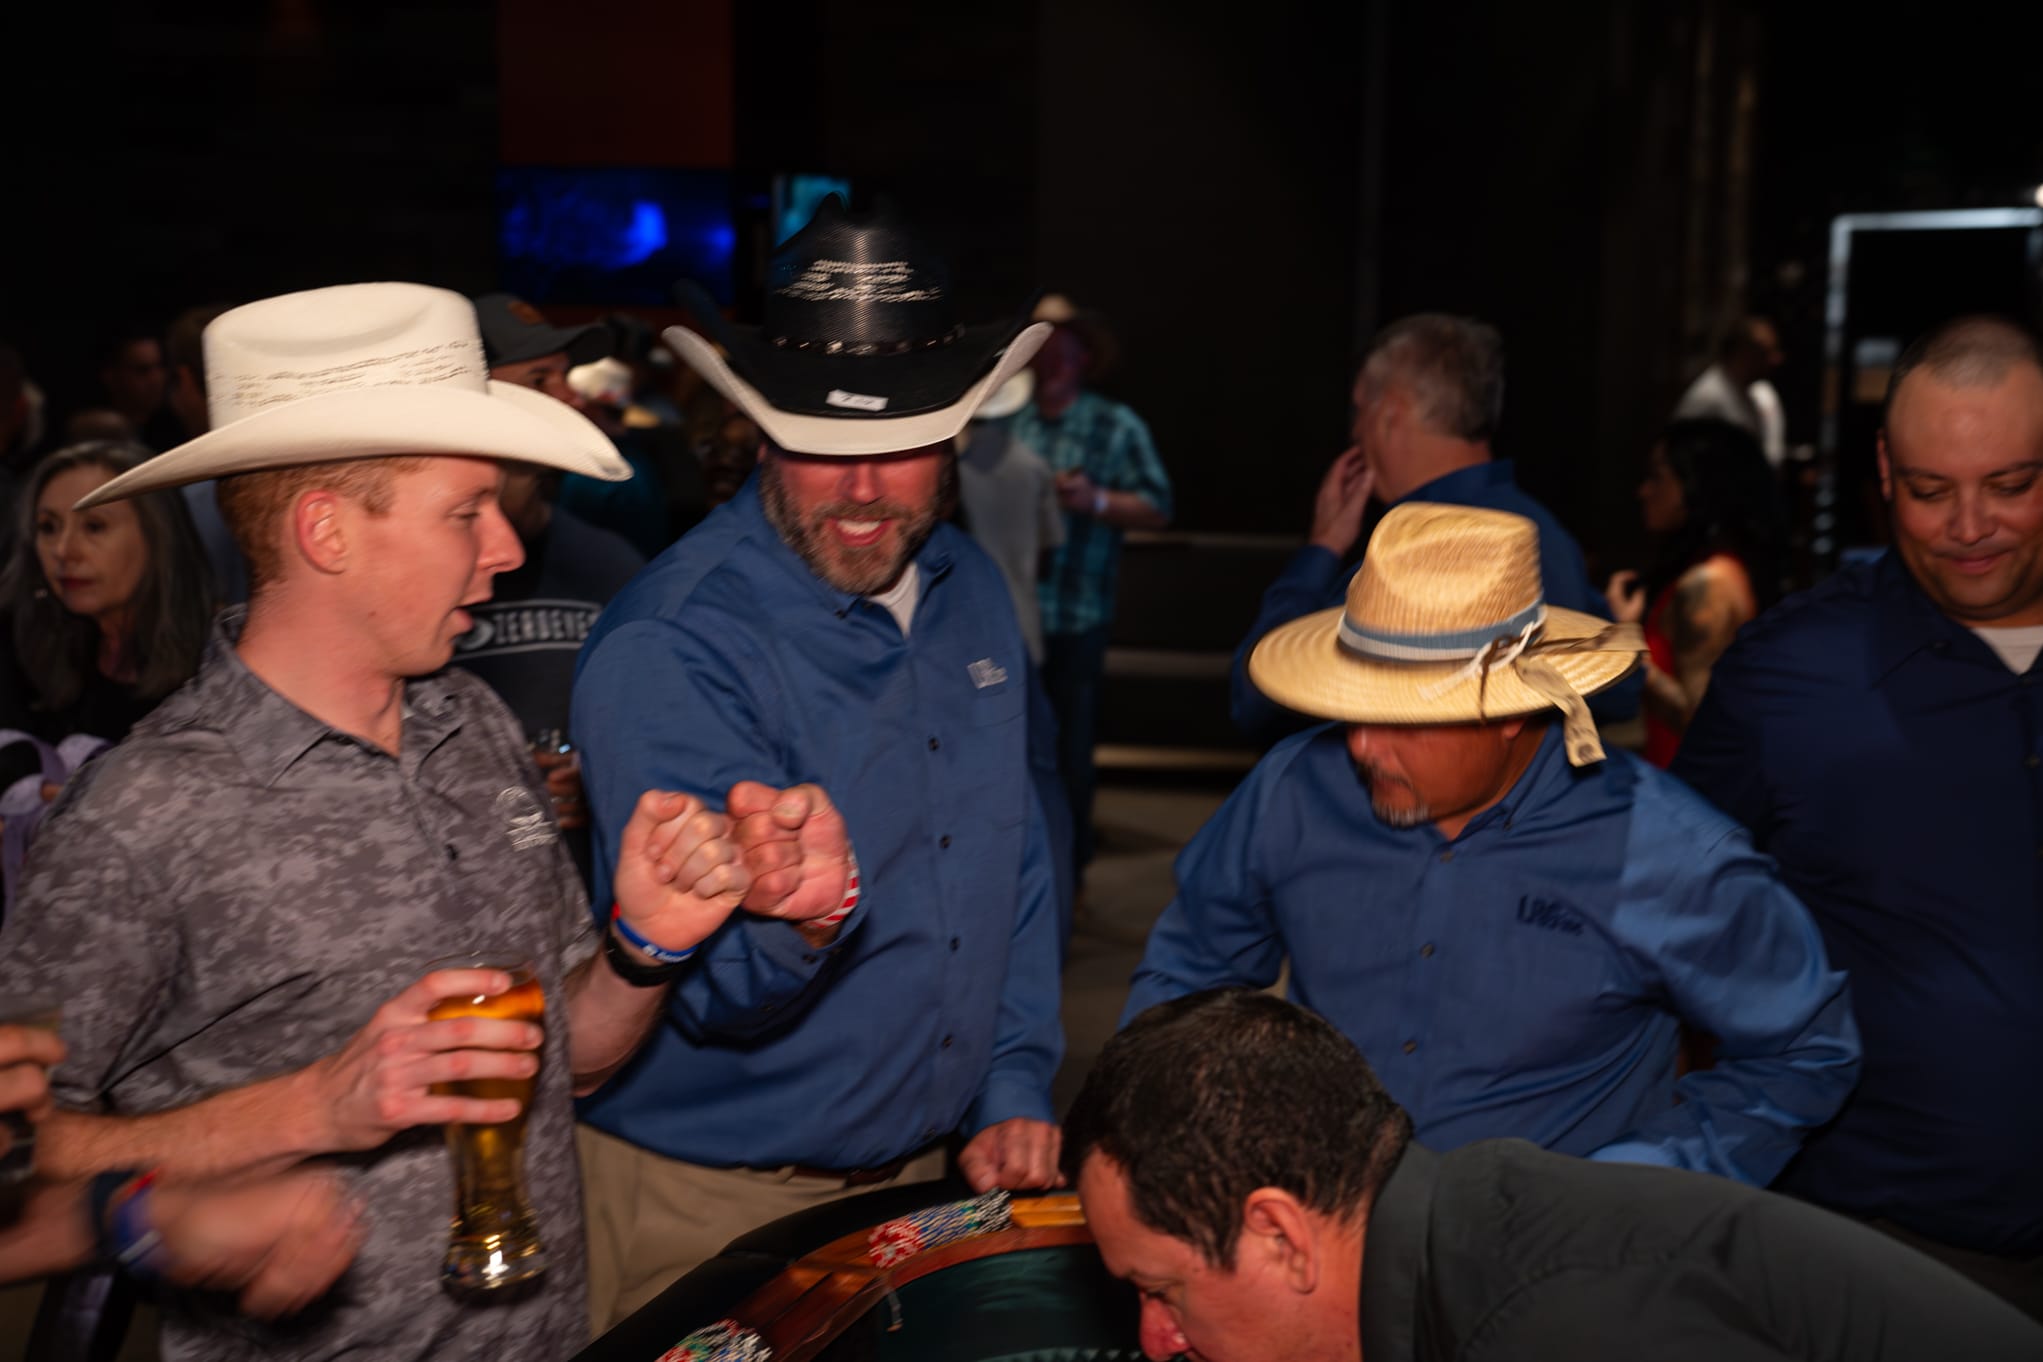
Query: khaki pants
[[653, 1219]]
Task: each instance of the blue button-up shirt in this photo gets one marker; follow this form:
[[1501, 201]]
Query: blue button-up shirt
[[1315, 580], [935, 1009], [1889, 760], [1528, 978]]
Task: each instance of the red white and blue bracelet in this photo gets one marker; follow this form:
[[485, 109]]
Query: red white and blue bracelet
[[119, 1205], [850, 901]]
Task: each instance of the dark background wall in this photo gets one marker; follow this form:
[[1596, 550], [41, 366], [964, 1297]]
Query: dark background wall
[[1248, 191]]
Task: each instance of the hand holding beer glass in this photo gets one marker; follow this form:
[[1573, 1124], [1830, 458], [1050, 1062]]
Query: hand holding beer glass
[[494, 1241]]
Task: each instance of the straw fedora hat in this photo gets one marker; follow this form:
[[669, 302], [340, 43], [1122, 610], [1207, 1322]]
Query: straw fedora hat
[[358, 371], [860, 350], [1447, 622]]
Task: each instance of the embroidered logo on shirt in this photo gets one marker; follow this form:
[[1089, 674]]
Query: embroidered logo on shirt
[[986, 672], [525, 823], [856, 401], [1545, 913]]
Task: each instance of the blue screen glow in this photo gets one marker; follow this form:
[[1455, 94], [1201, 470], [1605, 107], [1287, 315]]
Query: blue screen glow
[[614, 235]]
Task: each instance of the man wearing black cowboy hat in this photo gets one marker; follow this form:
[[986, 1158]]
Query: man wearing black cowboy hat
[[828, 661]]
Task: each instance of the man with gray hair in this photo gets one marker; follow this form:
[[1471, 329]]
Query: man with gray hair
[[1882, 737], [1427, 400]]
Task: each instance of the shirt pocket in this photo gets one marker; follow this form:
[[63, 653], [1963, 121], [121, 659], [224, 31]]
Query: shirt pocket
[[989, 764]]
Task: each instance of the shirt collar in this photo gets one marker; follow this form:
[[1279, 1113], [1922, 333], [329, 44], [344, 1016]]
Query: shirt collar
[[933, 558], [1536, 784], [269, 734], [1394, 1252], [1454, 487], [1905, 620]]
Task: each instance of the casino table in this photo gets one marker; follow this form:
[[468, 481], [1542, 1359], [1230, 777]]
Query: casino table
[[919, 1273]]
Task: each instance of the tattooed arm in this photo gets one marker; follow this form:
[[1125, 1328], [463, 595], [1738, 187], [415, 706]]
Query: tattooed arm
[[1712, 601]]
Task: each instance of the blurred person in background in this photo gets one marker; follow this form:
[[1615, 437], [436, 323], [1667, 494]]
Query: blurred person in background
[[1109, 481], [522, 347], [1428, 400], [665, 491], [652, 366], [131, 380], [21, 408], [21, 429], [1709, 499], [527, 634], [1736, 388], [105, 613], [1007, 498], [184, 355]]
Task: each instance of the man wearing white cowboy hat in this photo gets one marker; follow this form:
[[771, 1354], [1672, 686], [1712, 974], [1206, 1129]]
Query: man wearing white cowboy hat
[[841, 670], [1512, 924], [241, 904]]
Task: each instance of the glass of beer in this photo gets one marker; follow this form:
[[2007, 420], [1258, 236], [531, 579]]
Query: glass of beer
[[494, 1241]]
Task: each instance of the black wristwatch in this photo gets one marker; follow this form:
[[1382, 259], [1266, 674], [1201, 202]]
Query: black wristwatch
[[628, 965]]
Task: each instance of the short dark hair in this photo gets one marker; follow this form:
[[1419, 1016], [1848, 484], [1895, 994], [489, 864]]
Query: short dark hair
[[1453, 366], [1203, 1099], [1968, 352]]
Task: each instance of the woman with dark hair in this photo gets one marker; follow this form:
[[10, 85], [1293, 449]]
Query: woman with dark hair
[[1709, 499], [102, 612]]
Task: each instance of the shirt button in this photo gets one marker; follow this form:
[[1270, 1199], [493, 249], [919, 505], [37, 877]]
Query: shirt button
[[954, 943], [1426, 951], [934, 744], [944, 841], [1446, 856], [808, 960], [1410, 1046], [2032, 761], [947, 1042]]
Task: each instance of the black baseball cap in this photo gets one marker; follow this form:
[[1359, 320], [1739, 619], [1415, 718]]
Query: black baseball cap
[[514, 331]]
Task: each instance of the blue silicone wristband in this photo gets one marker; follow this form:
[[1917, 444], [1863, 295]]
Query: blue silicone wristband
[[650, 950]]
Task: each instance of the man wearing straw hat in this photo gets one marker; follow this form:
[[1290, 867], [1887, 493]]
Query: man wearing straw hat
[[840, 670], [1511, 923], [240, 903]]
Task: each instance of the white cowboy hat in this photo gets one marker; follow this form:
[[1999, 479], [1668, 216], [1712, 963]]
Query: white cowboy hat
[[358, 371], [1446, 622], [1009, 398], [861, 351]]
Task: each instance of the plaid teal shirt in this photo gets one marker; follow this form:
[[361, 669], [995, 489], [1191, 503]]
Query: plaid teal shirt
[[1109, 444]]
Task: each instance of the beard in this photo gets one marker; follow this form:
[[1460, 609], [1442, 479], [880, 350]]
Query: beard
[[1409, 812], [859, 571]]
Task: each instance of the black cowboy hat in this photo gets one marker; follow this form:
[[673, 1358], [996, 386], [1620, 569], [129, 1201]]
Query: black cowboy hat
[[860, 350]]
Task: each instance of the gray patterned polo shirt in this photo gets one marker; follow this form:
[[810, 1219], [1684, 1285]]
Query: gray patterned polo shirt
[[231, 893]]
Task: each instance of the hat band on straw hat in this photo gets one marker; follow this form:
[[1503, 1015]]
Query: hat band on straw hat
[[1515, 643], [1438, 647]]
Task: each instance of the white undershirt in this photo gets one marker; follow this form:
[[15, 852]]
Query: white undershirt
[[901, 597], [2017, 647]]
